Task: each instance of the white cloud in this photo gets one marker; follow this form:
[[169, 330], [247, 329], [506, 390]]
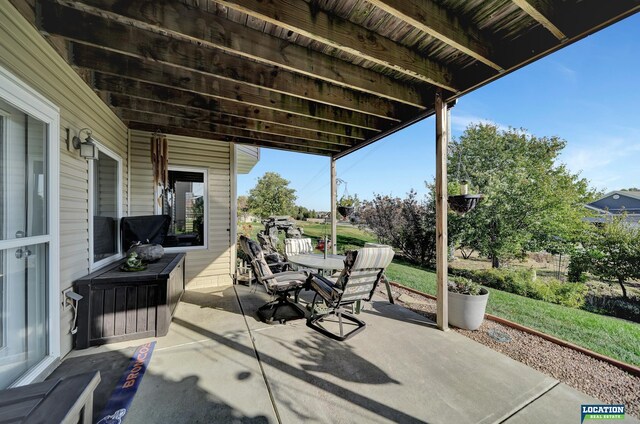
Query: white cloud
[[565, 71], [607, 164]]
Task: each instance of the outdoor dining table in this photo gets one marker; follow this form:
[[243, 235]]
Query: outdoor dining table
[[327, 264], [318, 261]]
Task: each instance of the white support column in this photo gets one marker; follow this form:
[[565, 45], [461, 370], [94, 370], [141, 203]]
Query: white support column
[[442, 140], [334, 208]]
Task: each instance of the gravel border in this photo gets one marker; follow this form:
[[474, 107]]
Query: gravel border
[[596, 378]]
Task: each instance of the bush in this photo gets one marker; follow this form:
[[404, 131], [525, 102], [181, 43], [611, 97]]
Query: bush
[[577, 268], [407, 224], [614, 306], [523, 283]]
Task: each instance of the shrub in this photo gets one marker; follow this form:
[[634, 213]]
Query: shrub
[[523, 283], [407, 224], [615, 306], [578, 267]]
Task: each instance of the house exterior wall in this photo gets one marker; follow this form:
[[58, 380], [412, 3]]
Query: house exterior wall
[[205, 267], [25, 53]]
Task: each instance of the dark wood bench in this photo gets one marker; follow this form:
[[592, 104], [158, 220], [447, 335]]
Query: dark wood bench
[[67, 400], [118, 305]]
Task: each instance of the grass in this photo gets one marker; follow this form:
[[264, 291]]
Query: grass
[[349, 237], [609, 336], [613, 337]]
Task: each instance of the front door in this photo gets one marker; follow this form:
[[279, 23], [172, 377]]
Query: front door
[[24, 243]]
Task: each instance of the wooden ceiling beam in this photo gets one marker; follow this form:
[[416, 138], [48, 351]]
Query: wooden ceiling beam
[[176, 20], [222, 130], [306, 19], [120, 103], [192, 61], [542, 11], [198, 104], [190, 132], [241, 94], [435, 20]]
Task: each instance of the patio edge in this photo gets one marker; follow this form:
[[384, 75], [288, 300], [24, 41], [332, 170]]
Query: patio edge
[[631, 369]]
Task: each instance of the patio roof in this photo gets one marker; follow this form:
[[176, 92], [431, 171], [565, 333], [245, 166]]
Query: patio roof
[[317, 76]]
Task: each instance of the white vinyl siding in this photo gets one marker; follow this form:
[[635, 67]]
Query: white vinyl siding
[[206, 267], [246, 158], [28, 56]]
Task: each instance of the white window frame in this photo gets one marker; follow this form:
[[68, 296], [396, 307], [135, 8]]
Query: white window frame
[[93, 265], [22, 96], [158, 208]]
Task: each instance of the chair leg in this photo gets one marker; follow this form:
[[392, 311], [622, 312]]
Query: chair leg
[[312, 322], [280, 311]]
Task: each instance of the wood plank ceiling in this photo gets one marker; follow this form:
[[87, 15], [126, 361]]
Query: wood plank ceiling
[[316, 76]]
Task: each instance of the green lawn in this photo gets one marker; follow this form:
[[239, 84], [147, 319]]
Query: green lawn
[[349, 237], [609, 336]]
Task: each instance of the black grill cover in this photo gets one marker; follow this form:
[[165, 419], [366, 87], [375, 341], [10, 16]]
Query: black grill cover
[[142, 228]]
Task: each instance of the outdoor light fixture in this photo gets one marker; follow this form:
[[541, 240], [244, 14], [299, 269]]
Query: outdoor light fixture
[[88, 148]]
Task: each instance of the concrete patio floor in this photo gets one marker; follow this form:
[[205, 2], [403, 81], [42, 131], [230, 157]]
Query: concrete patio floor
[[220, 364]]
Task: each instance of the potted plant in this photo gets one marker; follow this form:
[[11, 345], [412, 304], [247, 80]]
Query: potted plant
[[464, 202], [467, 303], [347, 204]]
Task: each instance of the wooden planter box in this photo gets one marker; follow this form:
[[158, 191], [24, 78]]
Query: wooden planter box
[[118, 305]]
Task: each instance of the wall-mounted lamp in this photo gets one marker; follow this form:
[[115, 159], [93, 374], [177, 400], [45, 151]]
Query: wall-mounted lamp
[[88, 148]]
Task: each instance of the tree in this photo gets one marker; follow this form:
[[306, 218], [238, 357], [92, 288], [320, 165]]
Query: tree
[[271, 196], [530, 202], [243, 207], [407, 224], [610, 251]]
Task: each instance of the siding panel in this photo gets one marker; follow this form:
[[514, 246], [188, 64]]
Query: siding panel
[[207, 267], [28, 56]]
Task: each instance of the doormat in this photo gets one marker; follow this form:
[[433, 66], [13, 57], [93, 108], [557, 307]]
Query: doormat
[[122, 396]]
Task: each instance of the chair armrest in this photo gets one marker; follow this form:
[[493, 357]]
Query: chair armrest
[[326, 286]]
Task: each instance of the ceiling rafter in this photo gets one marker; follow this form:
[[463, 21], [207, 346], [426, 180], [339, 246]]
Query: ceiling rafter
[[177, 20], [190, 60], [197, 104], [131, 80], [189, 132], [207, 119], [541, 11], [222, 130], [438, 22], [310, 21]]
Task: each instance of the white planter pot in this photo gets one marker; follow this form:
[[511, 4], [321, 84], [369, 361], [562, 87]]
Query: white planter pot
[[467, 312]]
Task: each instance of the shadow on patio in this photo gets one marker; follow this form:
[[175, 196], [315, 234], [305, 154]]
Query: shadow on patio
[[219, 365]]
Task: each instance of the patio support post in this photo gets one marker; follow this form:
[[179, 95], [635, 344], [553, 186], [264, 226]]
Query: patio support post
[[442, 140], [334, 208]]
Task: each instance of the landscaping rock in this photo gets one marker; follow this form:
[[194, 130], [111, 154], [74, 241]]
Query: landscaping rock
[[584, 373]]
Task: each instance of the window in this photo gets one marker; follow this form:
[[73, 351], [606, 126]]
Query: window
[[105, 195], [185, 201]]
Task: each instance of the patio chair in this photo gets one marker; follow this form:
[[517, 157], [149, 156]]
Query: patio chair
[[384, 278], [363, 270], [280, 285], [297, 246]]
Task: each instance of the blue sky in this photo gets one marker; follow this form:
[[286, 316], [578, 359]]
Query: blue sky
[[588, 94]]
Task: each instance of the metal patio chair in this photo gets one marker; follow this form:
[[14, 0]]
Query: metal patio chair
[[297, 246], [358, 280], [280, 285]]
